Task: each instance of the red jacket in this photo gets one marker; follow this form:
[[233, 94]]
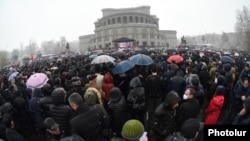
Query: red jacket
[[107, 85], [213, 110]]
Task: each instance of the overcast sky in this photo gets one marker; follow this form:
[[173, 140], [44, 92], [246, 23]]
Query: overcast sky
[[43, 20]]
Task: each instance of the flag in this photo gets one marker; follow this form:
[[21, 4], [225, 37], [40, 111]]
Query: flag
[[32, 58]]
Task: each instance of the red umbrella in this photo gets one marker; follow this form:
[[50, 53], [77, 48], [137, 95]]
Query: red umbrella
[[176, 58]]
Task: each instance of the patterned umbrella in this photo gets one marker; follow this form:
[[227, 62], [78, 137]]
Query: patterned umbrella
[[37, 80]]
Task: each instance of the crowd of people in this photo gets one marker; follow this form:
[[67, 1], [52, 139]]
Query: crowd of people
[[163, 101]]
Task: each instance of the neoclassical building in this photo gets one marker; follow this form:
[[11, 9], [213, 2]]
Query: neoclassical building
[[136, 23]]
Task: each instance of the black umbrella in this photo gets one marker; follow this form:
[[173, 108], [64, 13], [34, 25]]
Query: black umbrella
[[123, 39]]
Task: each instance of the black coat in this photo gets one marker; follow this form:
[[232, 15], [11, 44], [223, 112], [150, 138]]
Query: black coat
[[188, 109], [62, 114], [163, 122], [89, 123], [13, 135]]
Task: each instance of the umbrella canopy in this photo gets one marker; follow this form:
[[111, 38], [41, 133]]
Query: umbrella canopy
[[13, 75], [141, 59], [226, 59], [123, 39], [37, 80], [103, 59], [176, 58], [93, 56], [123, 66]]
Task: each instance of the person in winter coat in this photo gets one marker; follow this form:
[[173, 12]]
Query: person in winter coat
[[188, 109], [88, 123], [199, 90], [117, 109], [91, 99], [189, 131], [60, 112], [163, 121], [243, 117], [212, 72], [166, 74], [92, 86], [11, 133], [107, 85], [213, 110], [34, 107], [136, 100], [153, 90], [240, 95]]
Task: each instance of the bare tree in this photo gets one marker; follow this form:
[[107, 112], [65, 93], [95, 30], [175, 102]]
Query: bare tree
[[49, 47], [243, 26], [4, 58], [225, 40], [15, 56], [31, 48]]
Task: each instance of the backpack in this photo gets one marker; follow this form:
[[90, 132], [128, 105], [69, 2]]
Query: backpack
[[136, 98]]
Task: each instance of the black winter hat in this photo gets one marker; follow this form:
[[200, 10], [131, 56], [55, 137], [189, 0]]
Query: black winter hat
[[195, 81], [189, 128], [220, 90], [50, 123], [172, 98]]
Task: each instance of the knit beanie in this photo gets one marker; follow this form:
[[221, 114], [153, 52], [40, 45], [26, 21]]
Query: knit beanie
[[189, 128], [132, 129], [220, 90]]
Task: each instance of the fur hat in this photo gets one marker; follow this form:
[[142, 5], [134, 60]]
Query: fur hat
[[132, 129], [75, 78], [91, 77], [189, 128]]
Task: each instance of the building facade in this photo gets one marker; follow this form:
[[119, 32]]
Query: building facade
[[135, 23]]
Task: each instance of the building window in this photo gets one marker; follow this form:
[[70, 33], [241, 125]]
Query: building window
[[146, 20], [152, 36], [136, 19], [108, 21], [124, 19], [142, 21], [99, 39], [113, 21], [152, 44], [106, 38], [144, 44], [167, 44], [119, 20], [104, 23], [131, 19]]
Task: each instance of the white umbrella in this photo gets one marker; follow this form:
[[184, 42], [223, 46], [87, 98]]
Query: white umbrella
[[103, 59]]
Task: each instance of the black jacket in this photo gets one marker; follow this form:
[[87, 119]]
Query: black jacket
[[89, 123]]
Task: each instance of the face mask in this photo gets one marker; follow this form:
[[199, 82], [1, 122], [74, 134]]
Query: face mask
[[215, 80], [185, 97]]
